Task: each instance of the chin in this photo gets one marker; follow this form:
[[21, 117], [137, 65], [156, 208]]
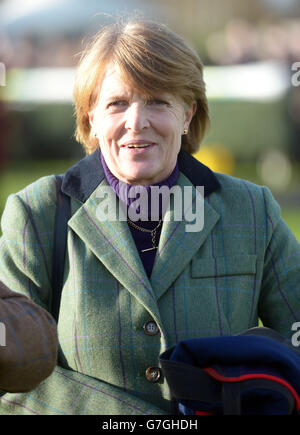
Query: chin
[[141, 176], [141, 179]]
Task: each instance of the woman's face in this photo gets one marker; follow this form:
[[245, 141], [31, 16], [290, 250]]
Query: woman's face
[[139, 139]]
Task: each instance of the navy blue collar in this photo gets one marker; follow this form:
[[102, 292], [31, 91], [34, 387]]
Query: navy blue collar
[[84, 177]]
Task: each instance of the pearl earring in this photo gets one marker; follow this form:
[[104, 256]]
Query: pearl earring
[[185, 131]]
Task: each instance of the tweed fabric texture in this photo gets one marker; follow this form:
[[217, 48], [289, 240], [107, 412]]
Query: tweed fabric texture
[[244, 264]]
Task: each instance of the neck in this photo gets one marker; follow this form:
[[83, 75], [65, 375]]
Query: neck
[[128, 192]]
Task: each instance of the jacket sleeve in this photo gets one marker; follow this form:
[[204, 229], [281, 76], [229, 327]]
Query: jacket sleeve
[[24, 268], [279, 305]]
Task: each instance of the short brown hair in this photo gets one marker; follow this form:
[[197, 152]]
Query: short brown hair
[[152, 58]]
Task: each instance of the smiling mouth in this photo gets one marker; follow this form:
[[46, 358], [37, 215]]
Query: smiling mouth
[[145, 145], [141, 145]]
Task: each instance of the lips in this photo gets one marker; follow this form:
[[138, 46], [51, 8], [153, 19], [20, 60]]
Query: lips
[[137, 144], [146, 145]]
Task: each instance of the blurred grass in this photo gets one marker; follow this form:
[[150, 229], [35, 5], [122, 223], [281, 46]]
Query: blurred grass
[[18, 175]]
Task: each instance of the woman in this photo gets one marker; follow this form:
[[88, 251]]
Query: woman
[[132, 288]]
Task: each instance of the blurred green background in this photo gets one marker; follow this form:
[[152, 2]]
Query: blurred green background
[[251, 53]]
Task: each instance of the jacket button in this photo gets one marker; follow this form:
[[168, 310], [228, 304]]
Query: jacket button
[[153, 374], [151, 328]]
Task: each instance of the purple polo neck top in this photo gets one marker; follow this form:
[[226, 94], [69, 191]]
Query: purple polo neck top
[[128, 194]]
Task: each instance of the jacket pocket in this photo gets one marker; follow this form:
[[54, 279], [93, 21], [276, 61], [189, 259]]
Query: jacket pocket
[[224, 266]]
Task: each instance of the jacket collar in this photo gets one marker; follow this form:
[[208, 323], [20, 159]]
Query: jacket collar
[[82, 179]]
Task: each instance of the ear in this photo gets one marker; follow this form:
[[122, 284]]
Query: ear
[[189, 113], [91, 118]]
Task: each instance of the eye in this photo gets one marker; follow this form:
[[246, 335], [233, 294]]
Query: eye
[[157, 101], [117, 104]]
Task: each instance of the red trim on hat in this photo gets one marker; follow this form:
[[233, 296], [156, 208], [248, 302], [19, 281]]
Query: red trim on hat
[[213, 373], [203, 413]]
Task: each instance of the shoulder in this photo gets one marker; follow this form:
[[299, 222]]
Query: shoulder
[[43, 189], [233, 194], [35, 203], [233, 185], [247, 198]]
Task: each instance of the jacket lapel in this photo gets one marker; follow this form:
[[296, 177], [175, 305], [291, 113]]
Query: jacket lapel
[[112, 243], [177, 246]]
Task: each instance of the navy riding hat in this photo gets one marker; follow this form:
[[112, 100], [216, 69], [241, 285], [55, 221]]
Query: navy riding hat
[[255, 372]]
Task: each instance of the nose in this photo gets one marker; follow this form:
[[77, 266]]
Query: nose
[[136, 117]]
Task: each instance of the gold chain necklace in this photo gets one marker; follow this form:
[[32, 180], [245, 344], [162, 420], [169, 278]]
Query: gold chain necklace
[[144, 230]]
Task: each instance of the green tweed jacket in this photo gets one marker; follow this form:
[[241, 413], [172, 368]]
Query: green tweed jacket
[[243, 265]]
